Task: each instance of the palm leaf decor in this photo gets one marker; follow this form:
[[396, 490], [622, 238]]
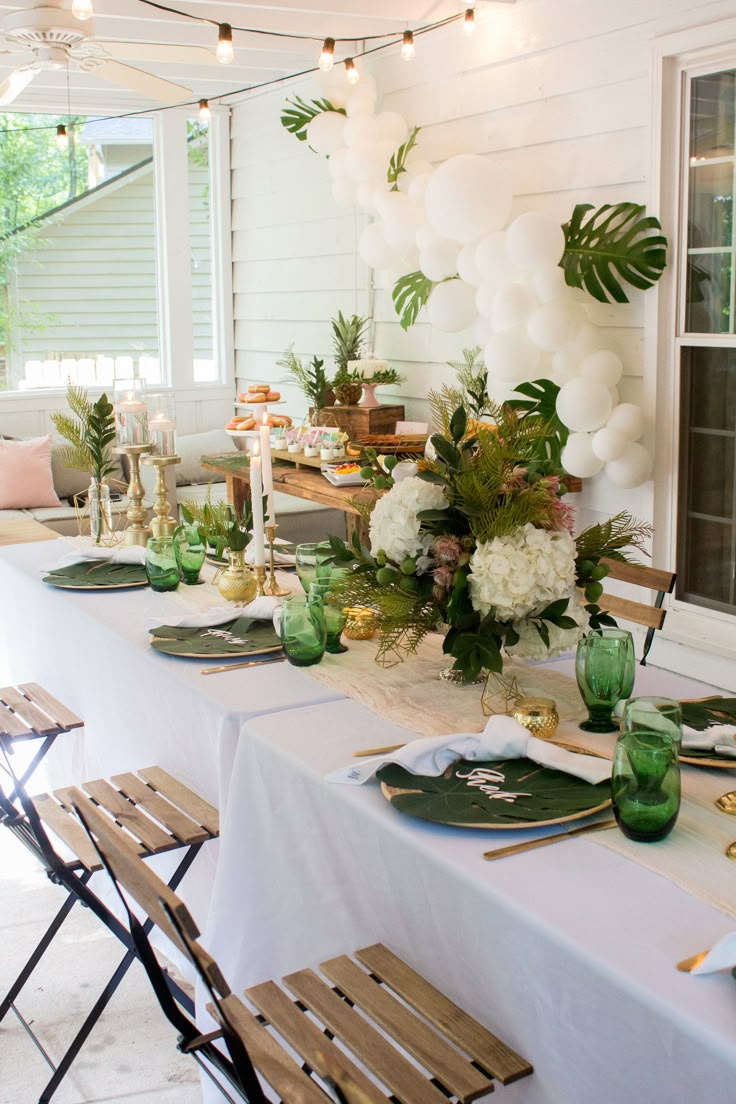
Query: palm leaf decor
[[410, 293], [617, 242], [397, 164], [704, 714], [299, 114]]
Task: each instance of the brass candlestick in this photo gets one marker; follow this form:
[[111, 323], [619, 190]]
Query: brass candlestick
[[163, 524], [137, 532], [260, 574], [271, 586]]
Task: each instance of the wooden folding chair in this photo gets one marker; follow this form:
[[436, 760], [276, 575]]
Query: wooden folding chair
[[375, 1006], [28, 713], [153, 813], [640, 613]]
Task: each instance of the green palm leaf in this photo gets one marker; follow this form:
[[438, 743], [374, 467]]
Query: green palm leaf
[[410, 293], [617, 242], [297, 117]]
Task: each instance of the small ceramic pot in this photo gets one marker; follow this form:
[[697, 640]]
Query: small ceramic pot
[[295, 447], [310, 450]]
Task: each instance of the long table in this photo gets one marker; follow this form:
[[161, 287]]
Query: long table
[[567, 952]]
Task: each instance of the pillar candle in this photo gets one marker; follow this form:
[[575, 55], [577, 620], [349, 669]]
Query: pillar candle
[[256, 494], [265, 435]]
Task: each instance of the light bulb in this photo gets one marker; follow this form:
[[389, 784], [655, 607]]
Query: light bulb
[[327, 57], [407, 46], [469, 21], [82, 9], [225, 52], [353, 74], [204, 111], [62, 138]]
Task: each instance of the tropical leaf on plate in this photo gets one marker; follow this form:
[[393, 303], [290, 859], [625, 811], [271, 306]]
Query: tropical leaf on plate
[[617, 242], [299, 114], [410, 293], [530, 793], [97, 573], [704, 714], [241, 636]]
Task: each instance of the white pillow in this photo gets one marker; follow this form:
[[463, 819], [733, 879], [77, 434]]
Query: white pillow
[[192, 447]]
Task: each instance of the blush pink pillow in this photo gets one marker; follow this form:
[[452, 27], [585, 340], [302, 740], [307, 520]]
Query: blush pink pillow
[[25, 474]]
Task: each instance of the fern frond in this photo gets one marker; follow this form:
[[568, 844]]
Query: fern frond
[[609, 538], [79, 403], [68, 428], [403, 619], [77, 457]]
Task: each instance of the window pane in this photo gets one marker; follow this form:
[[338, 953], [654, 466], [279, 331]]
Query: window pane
[[205, 369], [711, 206], [712, 115], [80, 286], [708, 293], [709, 572]]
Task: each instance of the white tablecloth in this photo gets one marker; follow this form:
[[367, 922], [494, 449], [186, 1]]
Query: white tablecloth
[[567, 952]]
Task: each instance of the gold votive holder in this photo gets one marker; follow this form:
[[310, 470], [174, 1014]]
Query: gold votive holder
[[539, 715], [360, 624]]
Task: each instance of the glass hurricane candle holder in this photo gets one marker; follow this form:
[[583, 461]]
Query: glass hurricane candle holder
[[303, 631], [162, 566], [162, 423], [604, 667], [645, 785], [333, 611], [131, 412]]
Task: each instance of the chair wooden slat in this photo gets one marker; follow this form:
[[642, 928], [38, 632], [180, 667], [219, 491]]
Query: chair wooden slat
[[451, 1069], [192, 804], [182, 826], [57, 710], [652, 578], [638, 612], [69, 796], [67, 829], [369, 1047], [483, 1046], [12, 725], [30, 713], [141, 827], [271, 1061], [308, 1041]]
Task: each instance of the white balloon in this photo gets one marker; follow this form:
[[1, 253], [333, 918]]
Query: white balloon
[[366, 192], [628, 419], [549, 283], [535, 239], [338, 164], [358, 103], [512, 305], [615, 398], [511, 357], [360, 130], [333, 86], [583, 405], [326, 132], [565, 365], [466, 266], [373, 247], [603, 367], [366, 162], [484, 298], [392, 127], [451, 306], [396, 207], [400, 234], [467, 198], [578, 457], [344, 192], [416, 166], [493, 262], [439, 261], [427, 238], [552, 325], [632, 468], [418, 187], [608, 444], [482, 330], [587, 339]]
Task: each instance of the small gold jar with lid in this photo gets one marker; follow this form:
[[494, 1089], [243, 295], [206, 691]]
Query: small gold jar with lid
[[360, 624], [539, 715]]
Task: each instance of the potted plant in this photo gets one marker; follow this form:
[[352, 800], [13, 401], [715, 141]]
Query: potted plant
[[310, 378], [90, 431]]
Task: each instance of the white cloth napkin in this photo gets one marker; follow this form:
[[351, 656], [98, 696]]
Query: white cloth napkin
[[721, 956], [502, 738], [84, 549], [265, 608], [278, 557], [720, 739]]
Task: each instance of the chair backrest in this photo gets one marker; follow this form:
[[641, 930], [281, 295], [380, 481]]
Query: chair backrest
[[650, 615]]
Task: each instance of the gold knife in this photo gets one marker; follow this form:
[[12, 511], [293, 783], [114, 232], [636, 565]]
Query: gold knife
[[529, 845], [239, 666]]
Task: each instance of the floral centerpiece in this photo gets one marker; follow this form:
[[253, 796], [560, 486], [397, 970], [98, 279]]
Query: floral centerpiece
[[480, 541]]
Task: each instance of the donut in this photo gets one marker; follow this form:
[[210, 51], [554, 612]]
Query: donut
[[258, 387], [257, 397], [273, 396]]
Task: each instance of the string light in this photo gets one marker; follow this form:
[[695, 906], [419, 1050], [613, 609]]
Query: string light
[[62, 138], [82, 9], [225, 52], [469, 21], [352, 73], [327, 57], [204, 111], [407, 46]]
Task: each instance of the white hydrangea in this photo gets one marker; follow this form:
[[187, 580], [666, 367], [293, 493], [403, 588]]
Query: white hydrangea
[[531, 645], [525, 571], [394, 525]]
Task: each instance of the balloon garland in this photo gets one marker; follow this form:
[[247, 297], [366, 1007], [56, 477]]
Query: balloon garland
[[448, 228]]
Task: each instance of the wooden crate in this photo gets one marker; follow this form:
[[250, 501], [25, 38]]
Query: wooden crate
[[358, 421]]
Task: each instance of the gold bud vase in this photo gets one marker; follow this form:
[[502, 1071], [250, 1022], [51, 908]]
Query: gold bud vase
[[539, 715], [237, 583]]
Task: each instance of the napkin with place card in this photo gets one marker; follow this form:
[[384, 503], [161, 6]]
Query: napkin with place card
[[720, 739], [502, 738], [264, 608]]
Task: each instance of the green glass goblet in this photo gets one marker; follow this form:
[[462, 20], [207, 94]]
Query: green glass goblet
[[320, 594], [162, 566], [645, 785], [653, 714], [604, 667], [303, 631], [310, 558], [190, 552]]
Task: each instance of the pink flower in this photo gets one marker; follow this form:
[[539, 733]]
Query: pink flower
[[443, 577], [447, 550]]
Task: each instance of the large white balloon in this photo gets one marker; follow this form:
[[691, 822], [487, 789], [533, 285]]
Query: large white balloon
[[326, 132], [467, 198], [535, 239], [482, 330], [360, 130], [552, 325], [466, 266], [633, 467], [628, 419], [358, 103], [511, 357], [333, 86], [493, 262], [373, 247], [549, 283], [338, 164], [392, 128], [367, 161], [565, 365], [608, 444], [602, 366], [451, 306], [512, 305], [484, 298], [584, 405], [439, 261], [418, 187], [578, 457]]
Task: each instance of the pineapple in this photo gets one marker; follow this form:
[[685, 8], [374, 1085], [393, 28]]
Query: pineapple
[[347, 336]]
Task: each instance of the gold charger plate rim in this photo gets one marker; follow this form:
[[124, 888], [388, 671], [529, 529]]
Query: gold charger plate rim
[[214, 655], [519, 825], [701, 761], [94, 586]]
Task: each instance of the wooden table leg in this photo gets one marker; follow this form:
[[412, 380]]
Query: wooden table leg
[[356, 524]]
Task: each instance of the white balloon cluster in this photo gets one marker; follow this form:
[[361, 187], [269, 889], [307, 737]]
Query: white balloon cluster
[[450, 223]]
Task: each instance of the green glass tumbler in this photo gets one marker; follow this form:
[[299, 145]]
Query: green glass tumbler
[[604, 667], [333, 611], [645, 785], [162, 566], [303, 631], [653, 714], [310, 560], [190, 552]]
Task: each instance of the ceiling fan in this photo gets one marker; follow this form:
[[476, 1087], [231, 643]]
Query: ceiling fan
[[52, 38]]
